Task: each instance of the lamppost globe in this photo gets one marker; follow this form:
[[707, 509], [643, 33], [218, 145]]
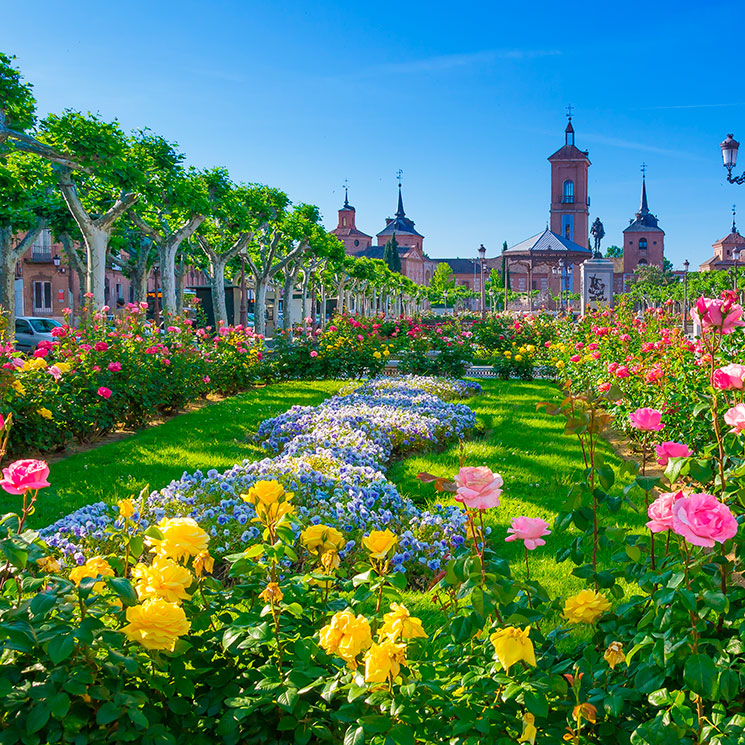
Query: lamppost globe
[[56, 260], [729, 152], [686, 264]]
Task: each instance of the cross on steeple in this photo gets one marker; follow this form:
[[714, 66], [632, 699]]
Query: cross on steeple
[[644, 170], [570, 109], [734, 212], [346, 192], [399, 176]]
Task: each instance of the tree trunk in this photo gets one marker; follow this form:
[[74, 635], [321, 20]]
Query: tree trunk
[[9, 258], [76, 264], [167, 260], [260, 304], [180, 271], [287, 293]]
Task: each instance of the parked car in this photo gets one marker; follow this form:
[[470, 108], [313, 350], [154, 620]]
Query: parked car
[[30, 331]]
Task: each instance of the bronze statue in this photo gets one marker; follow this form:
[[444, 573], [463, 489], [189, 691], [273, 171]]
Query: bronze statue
[[598, 232]]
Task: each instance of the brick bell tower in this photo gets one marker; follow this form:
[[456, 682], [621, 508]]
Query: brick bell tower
[[570, 201]]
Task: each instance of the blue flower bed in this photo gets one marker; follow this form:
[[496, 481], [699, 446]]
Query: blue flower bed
[[333, 457]]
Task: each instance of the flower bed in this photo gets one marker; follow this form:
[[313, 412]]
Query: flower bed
[[333, 458], [120, 372]]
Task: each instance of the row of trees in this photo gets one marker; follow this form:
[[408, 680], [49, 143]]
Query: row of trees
[[131, 197]]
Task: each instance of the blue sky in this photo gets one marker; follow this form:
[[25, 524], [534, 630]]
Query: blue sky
[[467, 99]]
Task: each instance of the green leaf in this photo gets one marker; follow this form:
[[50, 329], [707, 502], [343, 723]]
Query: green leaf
[[288, 699], [108, 713], [699, 673], [123, 588], [354, 736], [401, 734], [716, 600], [37, 717], [42, 602], [59, 705], [136, 545], [16, 555], [729, 684], [61, 647], [536, 703]]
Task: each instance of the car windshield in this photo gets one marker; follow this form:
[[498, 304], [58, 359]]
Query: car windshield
[[44, 325]]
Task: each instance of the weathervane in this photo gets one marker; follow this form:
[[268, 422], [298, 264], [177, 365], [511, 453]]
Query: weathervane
[[399, 176], [570, 108], [734, 212], [346, 192], [644, 170]]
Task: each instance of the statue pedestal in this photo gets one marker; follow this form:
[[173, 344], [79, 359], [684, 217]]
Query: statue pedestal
[[597, 284]]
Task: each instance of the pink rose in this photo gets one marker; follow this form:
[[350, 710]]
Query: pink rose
[[54, 371], [723, 314], [478, 487], [729, 377], [575, 358], [314, 353], [703, 520], [100, 346], [672, 450], [115, 366], [206, 379], [41, 352], [622, 371], [104, 392], [735, 417], [660, 512], [647, 420], [25, 475], [528, 529]]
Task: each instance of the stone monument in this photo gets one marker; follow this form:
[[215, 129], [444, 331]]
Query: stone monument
[[597, 275]]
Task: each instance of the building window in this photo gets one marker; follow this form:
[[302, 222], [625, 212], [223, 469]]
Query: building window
[[356, 242], [567, 227], [642, 244], [42, 292], [344, 222], [42, 248], [568, 192], [119, 292], [642, 262]]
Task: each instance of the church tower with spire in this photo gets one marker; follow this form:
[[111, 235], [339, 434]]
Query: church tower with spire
[[402, 226], [346, 231], [570, 201], [643, 239]]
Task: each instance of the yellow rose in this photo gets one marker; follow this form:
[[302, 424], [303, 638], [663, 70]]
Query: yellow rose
[[63, 367], [48, 564], [346, 636], [127, 507], [383, 661], [614, 654], [386, 353], [518, 358], [377, 355], [264, 492], [182, 538], [380, 543], [529, 729], [530, 348], [560, 364], [18, 387], [164, 579], [400, 624], [271, 514], [512, 645], [156, 624], [322, 538], [272, 593], [585, 607], [203, 563], [96, 566], [45, 413], [330, 561], [35, 363]]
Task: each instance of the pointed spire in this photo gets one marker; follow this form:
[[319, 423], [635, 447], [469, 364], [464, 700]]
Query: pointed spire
[[644, 209], [400, 211], [569, 131], [734, 212], [346, 197]]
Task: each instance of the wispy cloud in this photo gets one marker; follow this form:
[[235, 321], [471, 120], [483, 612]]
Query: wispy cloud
[[447, 62], [641, 146]]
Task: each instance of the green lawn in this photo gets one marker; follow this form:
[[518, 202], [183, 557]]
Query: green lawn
[[528, 448], [212, 437], [538, 463]]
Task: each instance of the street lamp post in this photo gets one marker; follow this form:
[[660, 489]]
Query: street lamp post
[[482, 257], [736, 258], [686, 264], [506, 271], [445, 297], [729, 157]]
